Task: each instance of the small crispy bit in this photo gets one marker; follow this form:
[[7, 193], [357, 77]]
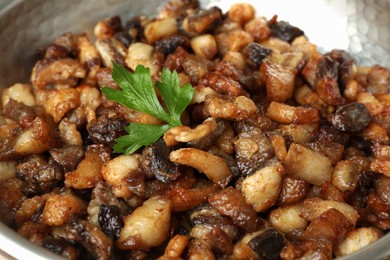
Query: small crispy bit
[[186, 134], [240, 108], [108, 27], [231, 203], [261, 189], [258, 27], [216, 169], [39, 137], [357, 239], [373, 105], [300, 133], [142, 53], [233, 41], [382, 187], [104, 201], [11, 193], [64, 72], [169, 44], [199, 250], [314, 207], [18, 92], [334, 151], [91, 237], [232, 65], [279, 81], [39, 175], [7, 170], [195, 67], [241, 13], [88, 172], [291, 61], [140, 227], [331, 224], [254, 54], [201, 21], [19, 112], [301, 43], [215, 237], [204, 46], [89, 100], [200, 94], [221, 84], [69, 133], [123, 173], [35, 232], [345, 175], [116, 170], [186, 199], [329, 192], [28, 208], [306, 96], [89, 57], [225, 140], [155, 162], [326, 83], [293, 191], [253, 150], [275, 43], [267, 243], [381, 151], [287, 218], [111, 50], [286, 114], [376, 133], [307, 164], [381, 166], [176, 246], [187, 180], [68, 156], [60, 208], [60, 102], [279, 144], [351, 90], [160, 29]]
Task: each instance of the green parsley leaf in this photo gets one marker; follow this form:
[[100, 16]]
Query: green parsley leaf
[[176, 98], [138, 93], [139, 135]]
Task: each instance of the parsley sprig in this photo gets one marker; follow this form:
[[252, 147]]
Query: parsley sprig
[[138, 93]]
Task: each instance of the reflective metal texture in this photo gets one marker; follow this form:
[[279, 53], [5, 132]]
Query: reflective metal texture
[[359, 26]]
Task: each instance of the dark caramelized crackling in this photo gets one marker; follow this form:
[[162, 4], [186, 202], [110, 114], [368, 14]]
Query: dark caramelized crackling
[[283, 153]]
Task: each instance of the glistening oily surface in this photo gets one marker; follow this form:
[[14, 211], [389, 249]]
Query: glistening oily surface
[[283, 151], [358, 26]]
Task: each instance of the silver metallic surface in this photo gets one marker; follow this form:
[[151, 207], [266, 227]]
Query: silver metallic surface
[[360, 26]]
